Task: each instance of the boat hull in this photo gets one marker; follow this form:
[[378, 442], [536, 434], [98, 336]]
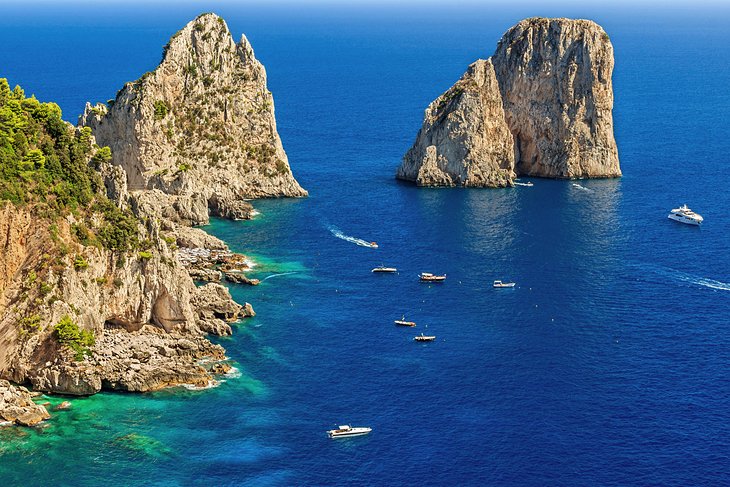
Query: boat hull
[[684, 219], [334, 434], [405, 323]]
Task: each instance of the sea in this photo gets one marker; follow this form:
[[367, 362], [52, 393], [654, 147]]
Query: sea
[[608, 364]]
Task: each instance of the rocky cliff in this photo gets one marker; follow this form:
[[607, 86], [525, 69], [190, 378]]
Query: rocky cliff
[[95, 277], [199, 129], [465, 140], [139, 306], [545, 94]]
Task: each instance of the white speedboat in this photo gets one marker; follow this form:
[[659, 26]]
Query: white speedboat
[[424, 338], [503, 284], [346, 431], [685, 215], [381, 268], [528, 184]]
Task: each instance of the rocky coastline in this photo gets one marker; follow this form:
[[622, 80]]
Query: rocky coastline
[[84, 310]]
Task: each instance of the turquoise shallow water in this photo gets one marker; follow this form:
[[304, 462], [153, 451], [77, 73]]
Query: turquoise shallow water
[[607, 365]]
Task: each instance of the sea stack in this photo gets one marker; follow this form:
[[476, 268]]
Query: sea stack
[[199, 129], [540, 106]]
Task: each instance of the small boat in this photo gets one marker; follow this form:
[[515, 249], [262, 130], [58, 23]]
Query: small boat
[[346, 431], [373, 245], [403, 322], [381, 268], [428, 277], [528, 184], [503, 284], [685, 215], [424, 338]]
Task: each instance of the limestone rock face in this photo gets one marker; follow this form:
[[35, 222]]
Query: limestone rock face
[[141, 361], [552, 78], [555, 77], [464, 140], [200, 128], [147, 315]]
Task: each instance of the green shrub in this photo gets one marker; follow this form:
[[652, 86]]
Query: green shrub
[[29, 324], [104, 154], [68, 333], [144, 255], [80, 263], [161, 109], [45, 289]]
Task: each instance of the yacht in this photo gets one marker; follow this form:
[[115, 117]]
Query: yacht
[[373, 245], [345, 431], [381, 268], [403, 322], [424, 338], [428, 277], [503, 284], [685, 215]]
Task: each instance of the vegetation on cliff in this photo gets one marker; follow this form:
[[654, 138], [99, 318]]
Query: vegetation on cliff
[[49, 165]]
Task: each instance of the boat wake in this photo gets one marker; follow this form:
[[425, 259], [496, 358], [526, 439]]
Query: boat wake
[[578, 186], [688, 278], [277, 275], [357, 241], [524, 184]]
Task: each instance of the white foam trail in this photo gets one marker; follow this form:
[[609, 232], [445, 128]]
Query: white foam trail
[[255, 213], [357, 241], [576, 185], [688, 278], [524, 184], [277, 275]]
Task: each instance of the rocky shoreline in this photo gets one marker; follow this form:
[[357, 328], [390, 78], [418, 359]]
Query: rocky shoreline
[[79, 315]]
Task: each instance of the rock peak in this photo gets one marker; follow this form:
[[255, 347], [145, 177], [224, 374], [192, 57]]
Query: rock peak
[[546, 111], [200, 129]]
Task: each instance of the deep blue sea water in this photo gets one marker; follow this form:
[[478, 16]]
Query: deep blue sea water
[[607, 365]]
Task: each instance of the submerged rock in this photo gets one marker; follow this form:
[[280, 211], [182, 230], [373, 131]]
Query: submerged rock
[[545, 94]]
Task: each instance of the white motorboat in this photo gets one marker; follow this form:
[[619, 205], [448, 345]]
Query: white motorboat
[[381, 268], [428, 277], [503, 284], [404, 322], [424, 338], [528, 184], [346, 431], [685, 215]]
